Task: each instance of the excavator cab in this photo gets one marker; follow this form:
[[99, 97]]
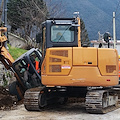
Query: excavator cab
[[60, 32], [28, 71], [28, 68]]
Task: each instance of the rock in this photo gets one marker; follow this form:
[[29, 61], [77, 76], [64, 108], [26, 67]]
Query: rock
[[6, 100]]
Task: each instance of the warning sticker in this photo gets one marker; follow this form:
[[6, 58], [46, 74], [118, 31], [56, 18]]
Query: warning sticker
[[66, 67]]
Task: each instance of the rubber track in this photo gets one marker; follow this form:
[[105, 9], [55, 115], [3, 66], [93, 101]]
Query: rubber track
[[94, 102], [31, 99]]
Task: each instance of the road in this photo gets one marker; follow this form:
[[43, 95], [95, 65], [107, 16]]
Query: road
[[72, 111]]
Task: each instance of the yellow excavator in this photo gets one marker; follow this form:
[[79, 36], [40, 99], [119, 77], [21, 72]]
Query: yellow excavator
[[66, 70], [69, 70]]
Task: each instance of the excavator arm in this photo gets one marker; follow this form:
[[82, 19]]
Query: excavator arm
[[7, 61], [5, 56]]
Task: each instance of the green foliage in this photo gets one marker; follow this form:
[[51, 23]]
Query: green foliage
[[16, 52], [84, 34], [13, 14]]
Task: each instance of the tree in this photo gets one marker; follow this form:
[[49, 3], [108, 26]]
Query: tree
[[26, 13], [1, 10], [55, 8], [84, 35]]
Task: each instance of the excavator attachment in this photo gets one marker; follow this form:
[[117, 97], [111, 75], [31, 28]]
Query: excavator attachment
[[3, 38]]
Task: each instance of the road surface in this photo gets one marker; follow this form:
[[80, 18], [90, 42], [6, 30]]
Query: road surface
[[72, 111]]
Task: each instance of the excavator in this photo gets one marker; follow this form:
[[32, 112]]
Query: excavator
[[19, 66], [69, 70], [65, 70]]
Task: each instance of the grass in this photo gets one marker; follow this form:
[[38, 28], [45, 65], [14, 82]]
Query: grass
[[16, 52]]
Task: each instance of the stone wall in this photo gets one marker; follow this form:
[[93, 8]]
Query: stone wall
[[19, 42], [16, 41]]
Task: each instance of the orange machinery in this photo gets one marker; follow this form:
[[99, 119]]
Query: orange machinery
[[18, 67], [69, 70], [119, 67]]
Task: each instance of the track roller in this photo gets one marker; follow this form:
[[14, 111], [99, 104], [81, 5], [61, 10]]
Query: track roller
[[35, 99], [101, 101]]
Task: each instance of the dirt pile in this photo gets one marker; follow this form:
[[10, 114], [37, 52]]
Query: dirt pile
[[6, 100]]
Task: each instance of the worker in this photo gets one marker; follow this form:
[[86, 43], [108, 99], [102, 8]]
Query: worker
[[36, 65], [59, 38], [26, 79]]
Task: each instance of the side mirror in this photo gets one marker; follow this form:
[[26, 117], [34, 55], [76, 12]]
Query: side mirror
[[107, 37]]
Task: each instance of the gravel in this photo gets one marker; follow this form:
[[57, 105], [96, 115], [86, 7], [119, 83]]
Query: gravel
[[72, 111]]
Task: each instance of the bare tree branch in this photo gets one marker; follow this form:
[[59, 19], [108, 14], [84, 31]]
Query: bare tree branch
[[55, 9], [1, 11], [39, 9]]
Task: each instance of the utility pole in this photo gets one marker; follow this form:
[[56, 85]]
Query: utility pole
[[114, 32]]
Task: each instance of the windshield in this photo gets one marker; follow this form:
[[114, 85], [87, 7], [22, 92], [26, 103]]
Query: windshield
[[62, 33]]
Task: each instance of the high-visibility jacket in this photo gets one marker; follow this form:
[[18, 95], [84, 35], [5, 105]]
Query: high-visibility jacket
[[36, 66]]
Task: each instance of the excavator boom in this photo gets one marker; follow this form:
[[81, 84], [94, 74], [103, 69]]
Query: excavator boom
[[5, 56]]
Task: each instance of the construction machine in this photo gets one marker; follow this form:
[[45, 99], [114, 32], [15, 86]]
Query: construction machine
[[19, 66], [69, 70], [64, 70]]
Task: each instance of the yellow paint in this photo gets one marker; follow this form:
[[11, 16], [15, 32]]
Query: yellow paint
[[79, 31], [82, 67]]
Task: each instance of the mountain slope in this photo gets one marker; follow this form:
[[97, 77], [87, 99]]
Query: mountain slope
[[97, 15]]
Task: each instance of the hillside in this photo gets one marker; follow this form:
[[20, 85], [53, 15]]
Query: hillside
[[97, 15]]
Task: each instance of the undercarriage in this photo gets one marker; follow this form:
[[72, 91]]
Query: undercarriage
[[96, 101]]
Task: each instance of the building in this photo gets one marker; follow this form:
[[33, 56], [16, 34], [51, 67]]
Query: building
[[96, 43]]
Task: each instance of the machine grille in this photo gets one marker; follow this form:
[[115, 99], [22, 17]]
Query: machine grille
[[54, 60], [63, 53], [110, 68], [55, 68]]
